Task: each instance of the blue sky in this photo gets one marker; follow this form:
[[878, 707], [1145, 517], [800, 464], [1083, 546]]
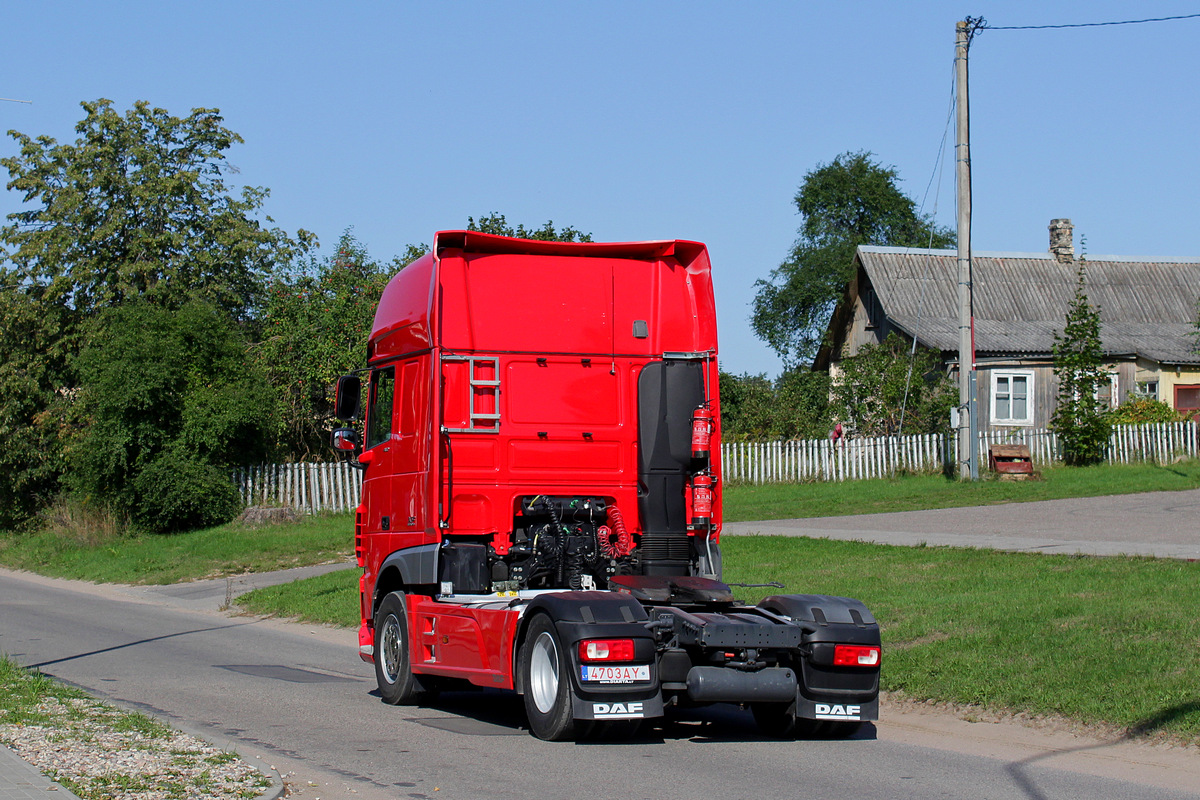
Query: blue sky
[[647, 120]]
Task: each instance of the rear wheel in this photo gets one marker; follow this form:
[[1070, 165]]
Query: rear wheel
[[393, 660], [547, 683]]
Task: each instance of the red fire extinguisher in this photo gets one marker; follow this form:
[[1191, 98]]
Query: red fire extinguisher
[[702, 501], [702, 428]]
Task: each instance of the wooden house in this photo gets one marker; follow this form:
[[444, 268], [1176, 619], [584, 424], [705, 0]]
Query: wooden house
[[1148, 312]]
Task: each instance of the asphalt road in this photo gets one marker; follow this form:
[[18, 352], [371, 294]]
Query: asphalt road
[[299, 697]]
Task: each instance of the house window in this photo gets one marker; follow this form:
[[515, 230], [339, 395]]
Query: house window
[[870, 303], [1012, 398], [1187, 399], [1106, 391], [1148, 389]]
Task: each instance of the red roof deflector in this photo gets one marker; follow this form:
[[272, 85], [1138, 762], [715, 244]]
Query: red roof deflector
[[474, 242]]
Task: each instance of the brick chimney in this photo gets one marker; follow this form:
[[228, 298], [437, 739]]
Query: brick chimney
[[1062, 240]]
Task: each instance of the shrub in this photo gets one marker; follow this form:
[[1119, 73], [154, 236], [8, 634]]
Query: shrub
[[167, 396], [180, 493], [1143, 409]]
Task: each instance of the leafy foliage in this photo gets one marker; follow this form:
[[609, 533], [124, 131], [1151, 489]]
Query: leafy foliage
[[875, 394], [1082, 427], [138, 206], [136, 209], [796, 406], [170, 404], [179, 492], [315, 325], [851, 201], [1143, 409], [496, 224], [31, 425]]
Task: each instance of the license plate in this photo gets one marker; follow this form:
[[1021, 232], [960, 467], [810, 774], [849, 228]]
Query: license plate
[[613, 674]]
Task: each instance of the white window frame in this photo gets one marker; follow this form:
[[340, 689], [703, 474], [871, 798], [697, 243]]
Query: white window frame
[[1028, 375], [1143, 388], [1112, 390]]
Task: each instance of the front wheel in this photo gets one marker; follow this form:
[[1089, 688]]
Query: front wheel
[[547, 683], [393, 658]]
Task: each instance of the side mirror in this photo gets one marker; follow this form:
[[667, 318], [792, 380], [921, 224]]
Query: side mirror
[[346, 440], [346, 402]]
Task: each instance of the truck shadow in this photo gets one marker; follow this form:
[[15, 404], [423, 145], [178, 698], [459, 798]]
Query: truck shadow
[[488, 712]]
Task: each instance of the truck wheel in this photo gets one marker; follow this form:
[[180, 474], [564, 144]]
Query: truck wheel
[[547, 683], [393, 665]]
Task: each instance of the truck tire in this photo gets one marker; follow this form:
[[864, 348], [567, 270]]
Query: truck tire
[[393, 664], [547, 683]]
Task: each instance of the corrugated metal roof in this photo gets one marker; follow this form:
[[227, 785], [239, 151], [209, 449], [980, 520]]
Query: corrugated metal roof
[[1146, 307]]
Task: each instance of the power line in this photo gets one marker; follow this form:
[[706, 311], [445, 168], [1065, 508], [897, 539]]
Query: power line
[[985, 26]]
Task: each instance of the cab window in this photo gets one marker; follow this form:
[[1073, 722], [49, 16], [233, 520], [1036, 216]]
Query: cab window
[[379, 415]]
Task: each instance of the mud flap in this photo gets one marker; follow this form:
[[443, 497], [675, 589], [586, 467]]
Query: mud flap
[[634, 705], [835, 711]]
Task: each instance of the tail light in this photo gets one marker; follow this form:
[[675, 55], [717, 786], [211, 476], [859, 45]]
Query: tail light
[[606, 650], [855, 655]]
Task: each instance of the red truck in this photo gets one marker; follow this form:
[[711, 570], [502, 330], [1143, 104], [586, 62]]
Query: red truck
[[541, 506]]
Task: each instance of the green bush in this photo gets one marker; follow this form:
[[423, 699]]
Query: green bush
[[1143, 409], [167, 397], [180, 493]]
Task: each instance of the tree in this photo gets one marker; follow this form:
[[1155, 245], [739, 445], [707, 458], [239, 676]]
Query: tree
[[496, 224], [851, 201], [138, 206], [874, 389], [1083, 429], [749, 407], [170, 405], [31, 409], [315, 326], [795, 406]]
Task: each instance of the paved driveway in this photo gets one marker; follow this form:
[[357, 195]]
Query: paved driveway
[[1163, 524]]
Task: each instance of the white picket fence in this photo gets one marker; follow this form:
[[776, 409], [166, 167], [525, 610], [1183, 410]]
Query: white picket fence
[[337, 486], [876, 457], [306, 487]]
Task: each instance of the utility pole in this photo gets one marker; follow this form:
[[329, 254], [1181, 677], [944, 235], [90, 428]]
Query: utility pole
[[967, 438]]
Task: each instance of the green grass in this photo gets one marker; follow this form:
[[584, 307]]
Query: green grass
[[29, 699], [329, 599], [1095, 639], [1112, 641], [744, 502], [156, 559]]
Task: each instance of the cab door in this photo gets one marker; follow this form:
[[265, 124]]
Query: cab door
[[379, 450]]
